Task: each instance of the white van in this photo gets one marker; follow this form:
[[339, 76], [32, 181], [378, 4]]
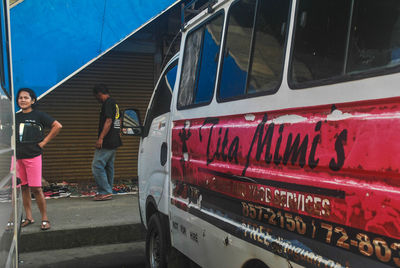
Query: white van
[[272, 139]]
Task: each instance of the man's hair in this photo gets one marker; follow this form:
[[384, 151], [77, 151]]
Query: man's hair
[[31, 93], [100, 88]]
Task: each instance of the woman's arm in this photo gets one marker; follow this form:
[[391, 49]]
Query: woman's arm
[[55, 129]]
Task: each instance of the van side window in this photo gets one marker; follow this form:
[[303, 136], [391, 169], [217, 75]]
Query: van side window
[[161, 101], [200, 62], [375, 35], [327, 45], [254, 50]]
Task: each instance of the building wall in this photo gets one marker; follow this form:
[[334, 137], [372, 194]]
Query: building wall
[[130, 79]]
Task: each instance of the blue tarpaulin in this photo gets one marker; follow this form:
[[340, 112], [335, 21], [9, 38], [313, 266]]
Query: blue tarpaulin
[[52, 39]]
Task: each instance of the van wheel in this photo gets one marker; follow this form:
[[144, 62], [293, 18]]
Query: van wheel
[[254, 263], [156, 244]]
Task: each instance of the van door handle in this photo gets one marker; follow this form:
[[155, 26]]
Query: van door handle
[[163, 153]]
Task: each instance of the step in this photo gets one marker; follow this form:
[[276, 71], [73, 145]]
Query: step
[[78, 222]]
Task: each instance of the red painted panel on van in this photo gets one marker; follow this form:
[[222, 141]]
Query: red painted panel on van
[[338, 162]]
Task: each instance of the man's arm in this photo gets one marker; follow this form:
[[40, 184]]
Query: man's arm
[[55, 129], [106, 129]]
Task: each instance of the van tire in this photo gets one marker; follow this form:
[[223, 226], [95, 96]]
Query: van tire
[[156, 243]]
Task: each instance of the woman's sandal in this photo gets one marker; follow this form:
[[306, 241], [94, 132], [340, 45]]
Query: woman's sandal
[[26, 222], [45, 225]]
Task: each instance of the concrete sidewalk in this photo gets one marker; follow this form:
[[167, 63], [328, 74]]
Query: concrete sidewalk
[[80, 221]]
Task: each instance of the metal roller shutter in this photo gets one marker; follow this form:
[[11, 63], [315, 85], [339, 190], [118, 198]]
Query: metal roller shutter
[[130, 79]]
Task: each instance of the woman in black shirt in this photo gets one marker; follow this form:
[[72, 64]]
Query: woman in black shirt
[[29, 154]]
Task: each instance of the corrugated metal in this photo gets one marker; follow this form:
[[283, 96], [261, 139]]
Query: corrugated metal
[[130, 80]]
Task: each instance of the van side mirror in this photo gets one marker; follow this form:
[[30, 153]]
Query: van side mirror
[[131, 123], [30, 132]]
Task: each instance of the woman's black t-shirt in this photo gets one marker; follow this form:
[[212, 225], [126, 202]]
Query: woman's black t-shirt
[[31, 150]]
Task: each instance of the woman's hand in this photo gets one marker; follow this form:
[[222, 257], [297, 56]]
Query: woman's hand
[[55, 129], [42, 144]]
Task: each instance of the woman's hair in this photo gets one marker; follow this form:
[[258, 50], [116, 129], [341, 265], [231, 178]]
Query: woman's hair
[[32, 94]]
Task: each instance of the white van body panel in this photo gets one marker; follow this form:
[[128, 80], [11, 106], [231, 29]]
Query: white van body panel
[[214, 243], [154, 178]]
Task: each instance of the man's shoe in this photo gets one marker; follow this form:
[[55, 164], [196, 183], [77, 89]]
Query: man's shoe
[[102, 197]]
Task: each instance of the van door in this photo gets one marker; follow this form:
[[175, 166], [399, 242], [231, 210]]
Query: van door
[[153, 151]]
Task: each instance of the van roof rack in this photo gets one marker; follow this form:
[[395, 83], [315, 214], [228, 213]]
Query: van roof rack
[[194, 7]]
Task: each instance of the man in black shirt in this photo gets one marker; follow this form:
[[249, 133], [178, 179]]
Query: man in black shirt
[[107, 143]]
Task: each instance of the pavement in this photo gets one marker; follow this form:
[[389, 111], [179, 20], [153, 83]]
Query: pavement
[[80, 221], [86, 233], [123, 255]]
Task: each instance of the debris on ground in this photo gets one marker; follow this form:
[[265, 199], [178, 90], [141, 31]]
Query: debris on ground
[[85, 189]]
